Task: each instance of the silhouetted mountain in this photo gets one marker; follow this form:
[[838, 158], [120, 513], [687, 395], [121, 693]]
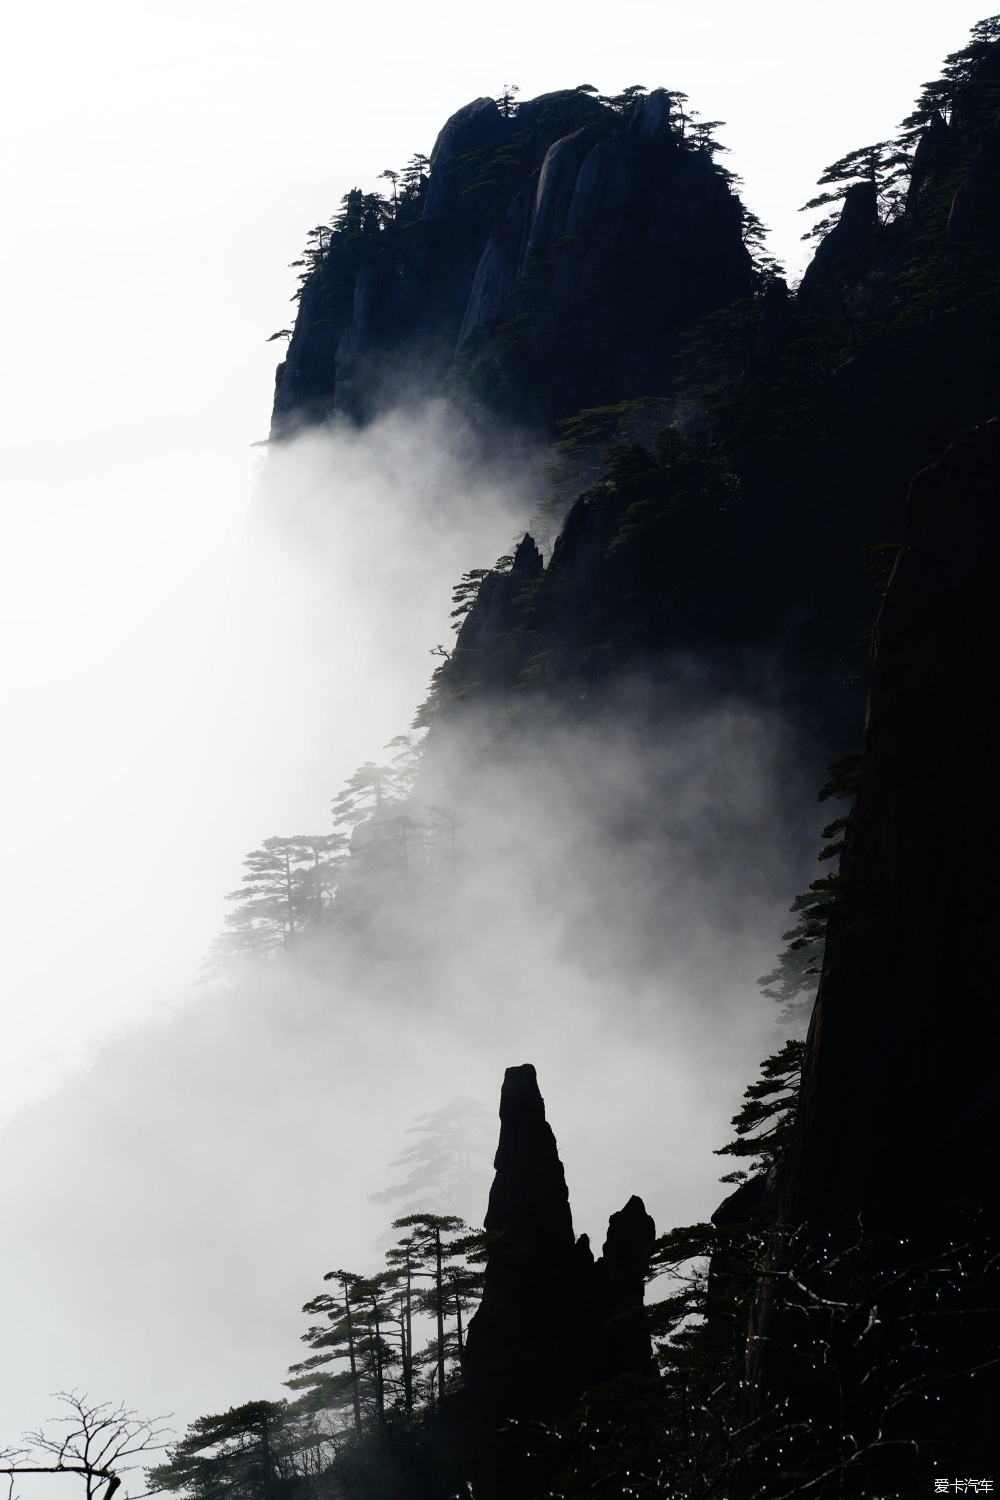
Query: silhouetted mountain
[[796, 431], [549, 259], [844, 1336]]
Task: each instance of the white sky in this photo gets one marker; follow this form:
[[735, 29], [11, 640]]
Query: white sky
[[162, 165]]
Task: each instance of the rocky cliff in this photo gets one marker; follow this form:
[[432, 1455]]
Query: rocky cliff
[[549, 259], [795, 429], [887, 1216], [899, 1115]]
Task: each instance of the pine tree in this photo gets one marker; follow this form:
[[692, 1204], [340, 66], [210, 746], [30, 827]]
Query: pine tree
[[374, 1296], [445, 1164], [625, 102], [289, 886], [341, 1338], [766, 267], [321, 860], [404, 1259], [765, 1120], [387, 841], [940, 96], [793, 981], [414, 176], [246, 1453], [466, 591], [366, 792], [432, 1253], [885, 165], [507, 102]]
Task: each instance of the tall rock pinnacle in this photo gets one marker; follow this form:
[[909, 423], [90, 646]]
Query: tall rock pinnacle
[[533, 1263]]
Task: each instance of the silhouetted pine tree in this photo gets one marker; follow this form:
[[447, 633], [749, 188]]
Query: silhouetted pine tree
[[445, 1164]]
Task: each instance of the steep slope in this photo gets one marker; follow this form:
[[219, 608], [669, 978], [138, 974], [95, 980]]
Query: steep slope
[[887, 1222], [917, 919], [796, 427]]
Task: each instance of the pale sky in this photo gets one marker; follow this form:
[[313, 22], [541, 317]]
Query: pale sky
[[162, 166]]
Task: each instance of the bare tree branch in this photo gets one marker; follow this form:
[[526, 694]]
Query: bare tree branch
[[98, 1443]]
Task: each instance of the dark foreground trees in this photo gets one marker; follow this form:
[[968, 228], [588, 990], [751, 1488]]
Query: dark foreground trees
[[251, 1452]]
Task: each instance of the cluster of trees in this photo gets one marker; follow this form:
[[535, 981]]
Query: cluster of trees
[[874, 1323], [297, 887], [386, 1346], [445, 1164], [689, 127], [363, 217], [759, 409], [367, 1361], [948, 95], [887, 165]]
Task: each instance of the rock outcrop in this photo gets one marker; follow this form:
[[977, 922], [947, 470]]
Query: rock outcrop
[[519, 1335], [552, 1322], [844, 256], [975, 211], [598, 237]]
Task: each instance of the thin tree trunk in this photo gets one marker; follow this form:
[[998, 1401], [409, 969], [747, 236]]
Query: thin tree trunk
[[379, 1385], [440, 1314], [408, 1361], [288, 898], [356, 1398], [266, 1461]]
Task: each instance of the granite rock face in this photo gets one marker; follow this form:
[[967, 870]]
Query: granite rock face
[[552, 1320], [514, 1327], [892, 1089], [894, 1155], [469, 129], [975, 215], [487, 629], [844, 255], [589, 238]]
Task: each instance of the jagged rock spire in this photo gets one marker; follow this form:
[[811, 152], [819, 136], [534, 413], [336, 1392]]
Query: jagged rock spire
[[529, 1197], [533, 1258], [551, 1322], [539, 1335]]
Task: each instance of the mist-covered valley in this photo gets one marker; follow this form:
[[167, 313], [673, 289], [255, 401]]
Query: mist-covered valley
[[598, 897]]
